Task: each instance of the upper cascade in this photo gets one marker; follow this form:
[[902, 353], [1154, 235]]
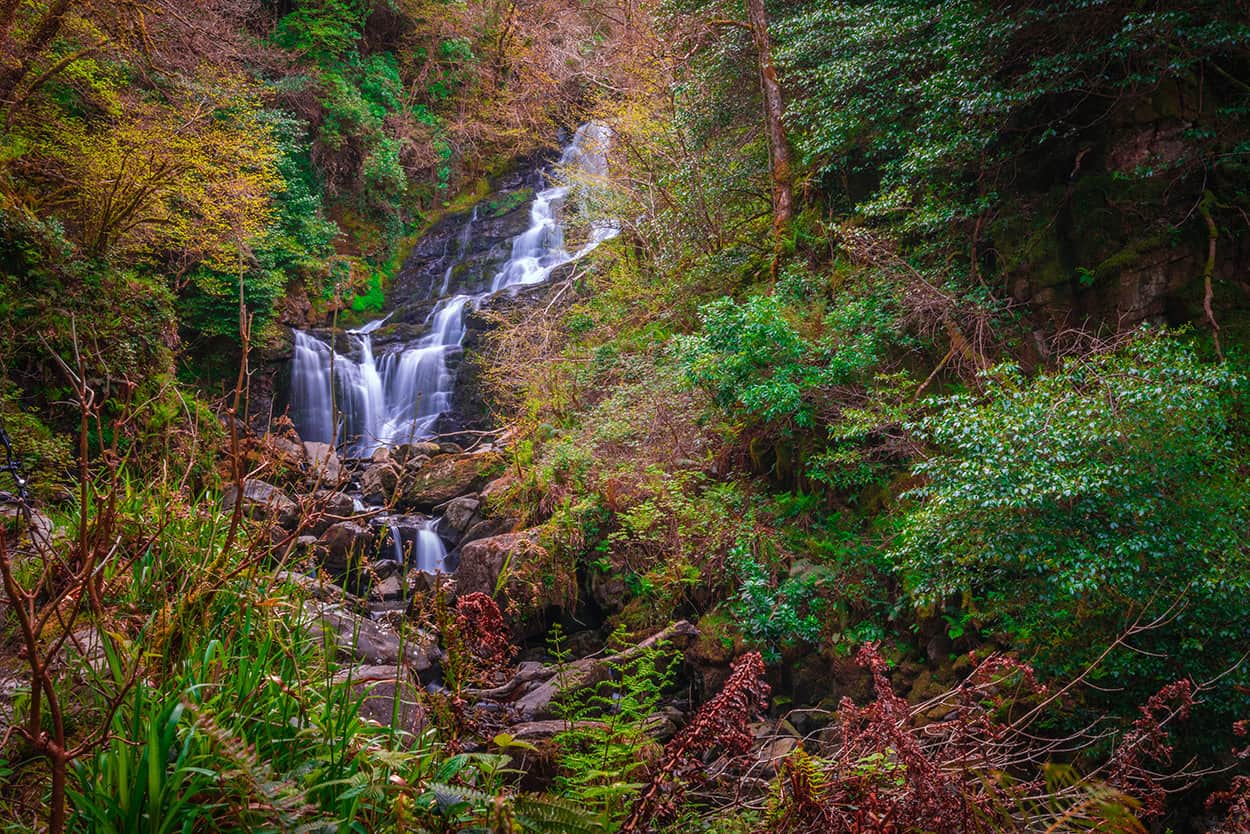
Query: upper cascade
[[362, 402]]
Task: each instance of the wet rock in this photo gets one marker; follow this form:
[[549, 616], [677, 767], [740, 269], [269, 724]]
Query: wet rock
[[545, 729], [324, 466], [262, 501], [445, 478], [84, 647], [460, 513], [362, 640], [408, 528], [379, 482], [344, 546]]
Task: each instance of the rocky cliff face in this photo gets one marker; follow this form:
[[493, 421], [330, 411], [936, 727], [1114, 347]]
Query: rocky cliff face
[[1113, 232]]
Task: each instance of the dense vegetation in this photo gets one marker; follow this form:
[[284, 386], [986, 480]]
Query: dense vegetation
[[931, 416]]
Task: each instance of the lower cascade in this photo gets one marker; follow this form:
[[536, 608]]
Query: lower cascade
[[360, 402]]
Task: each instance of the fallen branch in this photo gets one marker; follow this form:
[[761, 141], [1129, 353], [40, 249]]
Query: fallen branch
[[554, 681]]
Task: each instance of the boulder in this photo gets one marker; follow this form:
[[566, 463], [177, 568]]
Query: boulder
[[487, 527], [485, 563], [408, 452], [285, 451], [444, 478], [361, 640], [263, 501], [387, 589], [460, 513], [344, 546], [334, 507], [498, 487], [379, 482], [324, 467], [390, 697]]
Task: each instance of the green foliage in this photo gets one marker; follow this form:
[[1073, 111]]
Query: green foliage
[[372, 299], [239, 720], [752, 358], [921, 112], [323, 29], [1069, 505], [603, 749], [755, 361], [774, 614], [45, 455]]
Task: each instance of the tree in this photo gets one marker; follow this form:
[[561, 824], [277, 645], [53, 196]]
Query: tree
[[187, 179], [774, 115]]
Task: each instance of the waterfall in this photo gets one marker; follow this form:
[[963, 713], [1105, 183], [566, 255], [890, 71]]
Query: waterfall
[[431, 554], [311, 398], [400, 398], [540, 248], [397, 542], [419, 385]]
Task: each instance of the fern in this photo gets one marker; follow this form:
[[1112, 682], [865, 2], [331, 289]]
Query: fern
[[544, 814], [605, 745], [537, 813]]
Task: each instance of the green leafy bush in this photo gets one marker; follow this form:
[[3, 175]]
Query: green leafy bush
[[774, 614], [922, 113], [1067, 506]]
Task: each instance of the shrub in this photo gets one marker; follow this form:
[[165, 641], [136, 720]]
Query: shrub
[[1069, 505]]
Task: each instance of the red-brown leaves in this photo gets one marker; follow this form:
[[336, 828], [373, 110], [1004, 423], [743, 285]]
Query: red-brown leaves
[[485, 634], [1147, 743], [723, 723]]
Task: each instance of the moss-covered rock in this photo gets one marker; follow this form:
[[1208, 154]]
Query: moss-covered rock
[[447, 477]]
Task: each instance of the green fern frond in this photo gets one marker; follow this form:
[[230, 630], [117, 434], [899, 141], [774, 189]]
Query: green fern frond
[[543, 814]]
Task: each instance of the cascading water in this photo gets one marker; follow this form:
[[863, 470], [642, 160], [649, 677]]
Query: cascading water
[[540, 249], [431, 554], [397, 543], [462, 248], [362, 404]]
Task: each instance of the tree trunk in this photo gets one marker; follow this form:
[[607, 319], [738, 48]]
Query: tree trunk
[[774, 110]]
